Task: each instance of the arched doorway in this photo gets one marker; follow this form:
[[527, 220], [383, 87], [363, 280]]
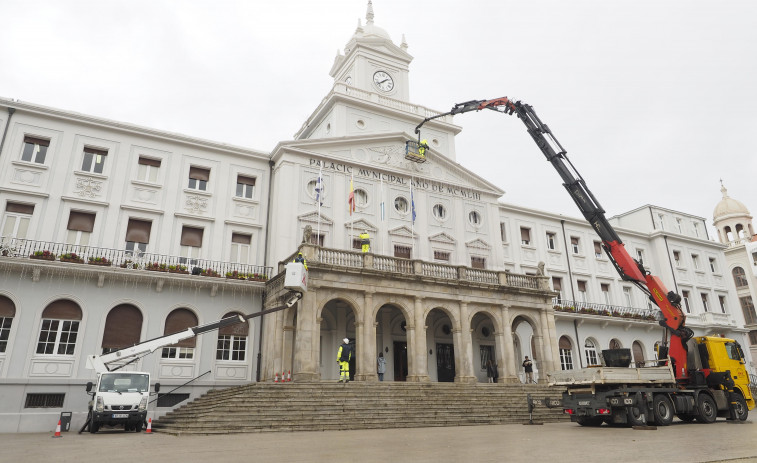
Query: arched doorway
[[638, 354], [524, 344], [391, 342], [441, 345], [337, 322], [484, 346]]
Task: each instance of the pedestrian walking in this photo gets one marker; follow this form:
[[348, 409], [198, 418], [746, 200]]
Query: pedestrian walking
[[381, 366], [343, 356]]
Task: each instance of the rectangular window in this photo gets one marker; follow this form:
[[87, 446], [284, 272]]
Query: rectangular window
[[713, 266], [5, 331], [503, 231], [753, 338], [662, 221], [695, 260], [80, 226], [582, 290], [598, 249], [147, 169], [721, 300], [178, 353], [357, 243], [557, 286], [696, 229], [16, 220], [627, 296], [640, 256], [245, 186], [677, 258], [575, 245], [525, 236], [442, 256], [231, 348], [402, 251], [685, 296], [747, 306], [198, 178], [316, 239], [94, 160], [137, 235], [566, 359], [35, 150], [57, 337], [191, 242], [605, 292], [240, 248], [679, 225], [478, 262], [551, 240], [705, 302], [44, 400]]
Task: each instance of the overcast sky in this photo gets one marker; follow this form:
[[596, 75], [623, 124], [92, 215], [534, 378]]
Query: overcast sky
[[654, 100]]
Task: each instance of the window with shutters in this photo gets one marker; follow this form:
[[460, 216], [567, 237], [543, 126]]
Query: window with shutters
[[695, 260], [94, 160], [753, 338], [402, 251], [35, 150], [7, 314], [605, 287], [443, 256], [627, 296], [747, 307], [179, 320], [575, 245], [739, 277], [148, 169], [16, 220], [478, 262], [245, 186], [137, 236], [551, 241], [232, 341], [123, 326], [677, 258], [59, 328], [685, 297], [198, 178], [80, 226], [566, 354], [557, 286], [598, 249], [590, 352], [240, 248], [191, 242], [581, 284], [525, 236]]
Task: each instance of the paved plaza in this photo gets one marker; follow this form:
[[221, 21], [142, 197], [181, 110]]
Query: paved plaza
[[554, 442]]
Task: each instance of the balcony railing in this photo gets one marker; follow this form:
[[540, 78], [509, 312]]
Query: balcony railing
[[105, 257], [397, 265], [605, 310]]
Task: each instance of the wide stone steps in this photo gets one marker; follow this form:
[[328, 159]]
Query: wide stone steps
[[264, 407]]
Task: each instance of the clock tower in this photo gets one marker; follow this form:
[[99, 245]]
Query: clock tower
[[372, 62]]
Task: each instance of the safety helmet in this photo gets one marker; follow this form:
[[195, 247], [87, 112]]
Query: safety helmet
[[346, 341], [299, 253]]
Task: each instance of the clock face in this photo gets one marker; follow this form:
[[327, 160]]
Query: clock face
[[383, 81]]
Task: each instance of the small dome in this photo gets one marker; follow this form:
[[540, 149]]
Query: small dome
[[370, 29], [729, 206]]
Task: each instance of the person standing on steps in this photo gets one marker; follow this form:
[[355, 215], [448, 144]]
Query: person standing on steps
[[528, 366], [343, 356], [491, 371], [381, 366]]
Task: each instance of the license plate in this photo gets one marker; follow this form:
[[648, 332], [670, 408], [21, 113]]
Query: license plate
[[120, 415]]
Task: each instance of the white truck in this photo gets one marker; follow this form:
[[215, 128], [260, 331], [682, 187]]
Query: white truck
[[121, 398]]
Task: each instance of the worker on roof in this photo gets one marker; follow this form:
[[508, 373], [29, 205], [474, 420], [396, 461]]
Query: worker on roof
[[422, 148], [301, 259], [365, 241]]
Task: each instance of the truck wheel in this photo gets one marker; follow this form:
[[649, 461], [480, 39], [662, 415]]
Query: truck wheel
[[93, 427], [635, 416], [663, 410], [742, 411], [708, 410], [590, 420]]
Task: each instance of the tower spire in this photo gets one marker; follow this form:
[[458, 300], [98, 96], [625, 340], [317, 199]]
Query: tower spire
[[369, 13]]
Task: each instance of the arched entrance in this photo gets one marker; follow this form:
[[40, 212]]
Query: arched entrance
[[441, 346], [337, 322], [524, 336], [391, 342], [484, 345]]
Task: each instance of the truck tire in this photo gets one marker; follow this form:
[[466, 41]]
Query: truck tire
[[590, 420], [662, 408], [708, 410], [740, 407], [635, 416], [93, 427]]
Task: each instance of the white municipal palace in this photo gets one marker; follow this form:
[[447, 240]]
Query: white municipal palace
[[114, 233]]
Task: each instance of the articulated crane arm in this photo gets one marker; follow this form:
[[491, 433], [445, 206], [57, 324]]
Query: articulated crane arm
[[669, 303]]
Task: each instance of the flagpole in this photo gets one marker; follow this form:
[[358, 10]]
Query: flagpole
[[319, 199], [381, 194], [412, 221], [352, 205]]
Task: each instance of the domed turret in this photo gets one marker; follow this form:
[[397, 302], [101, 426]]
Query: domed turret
[[732, 219]]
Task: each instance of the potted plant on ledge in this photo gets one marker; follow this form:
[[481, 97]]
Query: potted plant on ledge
[[42, 255], [235, 275], [178, 269], [71, 257], [258, 277], [102, 261], [156, 267], [209, 272]]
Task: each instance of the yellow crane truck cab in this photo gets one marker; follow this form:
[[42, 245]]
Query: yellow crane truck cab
[[720, 356]]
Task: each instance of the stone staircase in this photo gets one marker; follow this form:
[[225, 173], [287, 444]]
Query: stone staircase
[[320, 406]]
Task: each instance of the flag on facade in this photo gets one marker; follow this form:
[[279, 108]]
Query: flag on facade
[[412, 200], [381, 194], [351, 197], [319, 188]]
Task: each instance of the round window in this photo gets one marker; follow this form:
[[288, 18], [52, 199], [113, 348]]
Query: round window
[[440, 212], [313, 189], [400, 205], [474, 218], [361, 197]]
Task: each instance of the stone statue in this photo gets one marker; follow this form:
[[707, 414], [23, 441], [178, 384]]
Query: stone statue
[[306, 234], [540, 269]]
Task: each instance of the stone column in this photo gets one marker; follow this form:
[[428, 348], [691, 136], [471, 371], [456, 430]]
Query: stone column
[[278, 344], [366, 364], [307, 338], [549, 354], [417, 355], [507, 370], [464, 349]]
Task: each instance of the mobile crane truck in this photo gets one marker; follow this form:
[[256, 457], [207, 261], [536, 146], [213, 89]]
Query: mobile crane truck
[[698, 378], [120, 398]]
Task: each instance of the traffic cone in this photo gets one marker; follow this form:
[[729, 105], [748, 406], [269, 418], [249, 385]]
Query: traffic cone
[[289, 376], [276, 379], [149, 426], [57, 430]]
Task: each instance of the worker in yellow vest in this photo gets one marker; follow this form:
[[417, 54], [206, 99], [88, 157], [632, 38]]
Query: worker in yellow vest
[[343, 356], [422, 148], [365, 241]]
